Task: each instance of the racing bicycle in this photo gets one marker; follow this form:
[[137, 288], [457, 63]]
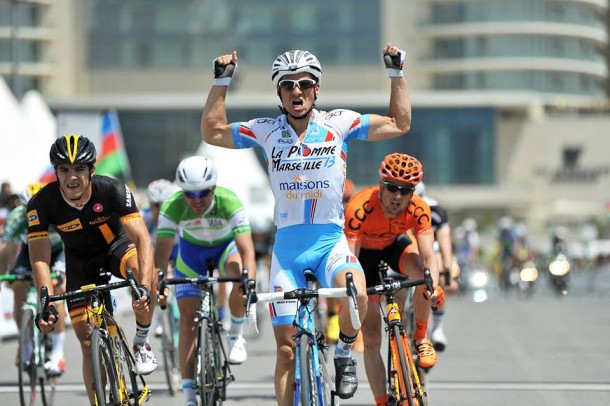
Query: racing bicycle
[[405, 379], [212, 370], [114, 367], [313, 384]]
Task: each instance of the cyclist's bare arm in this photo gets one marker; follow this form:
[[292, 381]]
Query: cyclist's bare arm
[[425, 246], [40, 260], [398, 120], [163, 251], [245, 246], [214, 127], [137, 231], [443, 237], [354, 246], [8, 255]]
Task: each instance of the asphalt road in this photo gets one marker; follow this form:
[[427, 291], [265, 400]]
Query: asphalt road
[[543, 350]]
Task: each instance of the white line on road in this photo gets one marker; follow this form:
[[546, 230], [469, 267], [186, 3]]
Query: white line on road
[[442, 386]]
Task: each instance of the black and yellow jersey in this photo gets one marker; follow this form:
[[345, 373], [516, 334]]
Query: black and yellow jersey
[[92, 228]]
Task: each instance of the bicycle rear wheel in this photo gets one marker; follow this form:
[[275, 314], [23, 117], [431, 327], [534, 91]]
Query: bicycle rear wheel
[[328, 384], [169, 345], [206, 372], [104, 373], [400, 368], [26, 358]]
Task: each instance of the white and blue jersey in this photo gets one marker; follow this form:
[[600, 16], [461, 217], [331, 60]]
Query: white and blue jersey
[[307, 177]]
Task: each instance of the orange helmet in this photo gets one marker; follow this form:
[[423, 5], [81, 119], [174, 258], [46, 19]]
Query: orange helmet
[[401, 168], [348, 189]]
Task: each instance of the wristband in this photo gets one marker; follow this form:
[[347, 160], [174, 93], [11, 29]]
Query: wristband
[[394, 73], [222, 81]]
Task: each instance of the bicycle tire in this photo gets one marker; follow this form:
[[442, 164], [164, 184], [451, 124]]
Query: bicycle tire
[[219, 362], [308, 395], [47, 383], [169, 346], [403, 369], [105, 377], [27, 369], [206, 373]]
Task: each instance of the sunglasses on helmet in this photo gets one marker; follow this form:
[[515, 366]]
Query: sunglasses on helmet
[[302, 84], [393, 188], [198, 194]]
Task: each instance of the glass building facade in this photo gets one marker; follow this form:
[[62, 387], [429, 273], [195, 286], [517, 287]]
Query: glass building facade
[[190, 33]]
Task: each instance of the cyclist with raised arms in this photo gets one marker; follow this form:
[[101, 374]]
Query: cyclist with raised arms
[[102, 229], [306, 155], [16, 243], [376, 221], [213, 225]]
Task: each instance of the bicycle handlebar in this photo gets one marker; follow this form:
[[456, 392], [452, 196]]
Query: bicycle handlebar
[[304, 293]]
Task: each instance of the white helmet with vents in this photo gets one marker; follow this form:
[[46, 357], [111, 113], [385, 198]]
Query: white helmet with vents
[[295, 61], [196, 173]]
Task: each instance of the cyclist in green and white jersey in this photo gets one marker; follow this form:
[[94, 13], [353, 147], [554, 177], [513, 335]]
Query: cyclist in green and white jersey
[[15, 243], [212, 225]]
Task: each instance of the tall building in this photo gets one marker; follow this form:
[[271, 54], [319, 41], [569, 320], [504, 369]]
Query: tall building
[[490, 80]]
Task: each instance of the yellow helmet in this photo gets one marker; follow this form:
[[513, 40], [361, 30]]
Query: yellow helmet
[[30, 190]]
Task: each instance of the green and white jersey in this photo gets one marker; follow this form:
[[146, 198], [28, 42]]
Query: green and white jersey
[[16, 229], [225, 219]]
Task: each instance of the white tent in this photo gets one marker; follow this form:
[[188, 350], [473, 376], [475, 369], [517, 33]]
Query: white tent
[[26, 134], [240, 171]]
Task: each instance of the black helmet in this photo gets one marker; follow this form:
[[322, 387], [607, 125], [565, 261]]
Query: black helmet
[[72, 149]]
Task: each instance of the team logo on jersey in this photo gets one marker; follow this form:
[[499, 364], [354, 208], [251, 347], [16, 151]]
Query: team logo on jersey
[[99, 220], [97, 207], [285, 138], [33, 218], [70, 226]]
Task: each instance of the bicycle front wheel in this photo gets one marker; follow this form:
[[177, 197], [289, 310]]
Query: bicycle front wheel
[[26, 359], [105, 377], [400, 368], [47, 382], [207, 374], [308, 394], [169, 345]]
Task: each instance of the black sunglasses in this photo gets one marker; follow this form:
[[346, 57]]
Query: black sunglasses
[[392, 188], [198, 194], [302, 84]]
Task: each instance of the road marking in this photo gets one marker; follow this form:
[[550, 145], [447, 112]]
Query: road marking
[[434, 386]]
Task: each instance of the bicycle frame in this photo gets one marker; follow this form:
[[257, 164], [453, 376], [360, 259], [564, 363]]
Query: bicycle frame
[[403, 375], [213, 374], [108, 337], [313, 384]]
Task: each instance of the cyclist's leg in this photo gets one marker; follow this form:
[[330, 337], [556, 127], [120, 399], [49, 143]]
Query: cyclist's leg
[[78, 317], [373, 360], [337, 263], [123, 256], [282, 277], [230, 264]]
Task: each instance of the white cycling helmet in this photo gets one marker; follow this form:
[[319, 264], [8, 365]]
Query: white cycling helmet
[[295, 61], [196, 173], [420, 189], [159, 190]]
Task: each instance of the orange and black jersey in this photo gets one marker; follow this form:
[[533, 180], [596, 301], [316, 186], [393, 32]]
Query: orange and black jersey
[[93, 228], [366, 224]]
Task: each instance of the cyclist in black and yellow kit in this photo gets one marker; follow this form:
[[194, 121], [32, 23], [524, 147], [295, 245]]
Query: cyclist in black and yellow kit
[[101, 228]]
